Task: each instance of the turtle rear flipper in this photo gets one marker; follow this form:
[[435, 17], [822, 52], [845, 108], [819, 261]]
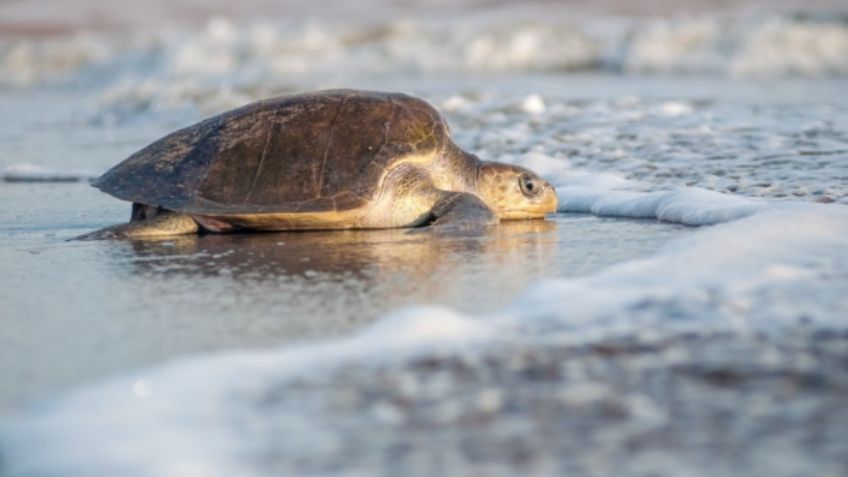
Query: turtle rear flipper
[[162, 225]]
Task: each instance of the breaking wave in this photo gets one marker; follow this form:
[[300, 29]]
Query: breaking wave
[[742, 45]]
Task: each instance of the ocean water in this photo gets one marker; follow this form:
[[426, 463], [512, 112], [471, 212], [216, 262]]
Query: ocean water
[[684, 313]]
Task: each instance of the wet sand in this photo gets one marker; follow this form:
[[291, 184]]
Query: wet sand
[[79, 311]]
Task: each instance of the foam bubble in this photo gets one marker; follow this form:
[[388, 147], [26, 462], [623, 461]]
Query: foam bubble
[[200, 416], [533, 104], [690, 206]]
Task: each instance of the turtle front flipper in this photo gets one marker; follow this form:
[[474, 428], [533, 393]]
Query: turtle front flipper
[[162, 225], [461, 212]]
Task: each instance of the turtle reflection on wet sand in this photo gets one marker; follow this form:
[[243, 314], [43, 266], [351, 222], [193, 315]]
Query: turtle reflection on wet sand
[[339, 159]]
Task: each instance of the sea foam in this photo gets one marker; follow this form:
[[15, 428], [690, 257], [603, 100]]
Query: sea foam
[[758, 274], [683, 205], [739, 45], [35, 173]]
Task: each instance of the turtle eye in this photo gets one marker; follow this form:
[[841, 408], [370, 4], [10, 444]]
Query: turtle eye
[[528, 185]]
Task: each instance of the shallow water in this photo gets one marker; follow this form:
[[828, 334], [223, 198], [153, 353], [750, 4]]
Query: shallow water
[[121, 305]]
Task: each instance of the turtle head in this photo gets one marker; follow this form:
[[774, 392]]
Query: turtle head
[[514, 192]]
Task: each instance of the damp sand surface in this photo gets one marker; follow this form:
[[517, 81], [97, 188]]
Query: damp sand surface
[[78, 311]]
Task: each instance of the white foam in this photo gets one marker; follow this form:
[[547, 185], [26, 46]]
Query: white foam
[[729, 147], [689, 206], [610, 195], [515, 40], [781, 47], [727, 277], [425, 327], [533, 104], [755, 274], [26, 62], [168, 439], [35, 173]]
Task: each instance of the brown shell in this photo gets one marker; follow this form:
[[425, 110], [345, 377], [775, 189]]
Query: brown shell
[[312, 152]]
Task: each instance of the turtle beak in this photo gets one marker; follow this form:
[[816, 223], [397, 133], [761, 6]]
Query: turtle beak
[[544, 203], [549, 199]]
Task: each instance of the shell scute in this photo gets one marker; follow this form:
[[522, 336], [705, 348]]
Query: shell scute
[[313, 152]]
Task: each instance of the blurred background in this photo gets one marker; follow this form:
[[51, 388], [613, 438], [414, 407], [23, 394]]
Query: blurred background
[[171, 62], [202, 51]]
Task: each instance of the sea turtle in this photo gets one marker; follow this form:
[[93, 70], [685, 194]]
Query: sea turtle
[[339, 159]]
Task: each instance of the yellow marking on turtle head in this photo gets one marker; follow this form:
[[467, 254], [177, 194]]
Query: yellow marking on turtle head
[[514, 192]]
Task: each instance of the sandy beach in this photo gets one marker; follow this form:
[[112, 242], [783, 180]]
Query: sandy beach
[[683, 312]]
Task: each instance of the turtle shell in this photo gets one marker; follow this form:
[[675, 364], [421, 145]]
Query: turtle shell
[[321, 151]]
